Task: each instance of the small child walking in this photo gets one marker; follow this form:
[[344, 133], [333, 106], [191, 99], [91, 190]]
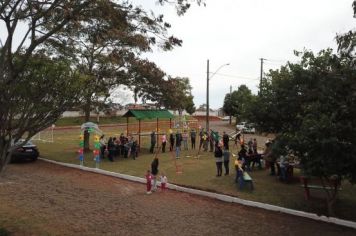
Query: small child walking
[[148, 181], [164, 182]]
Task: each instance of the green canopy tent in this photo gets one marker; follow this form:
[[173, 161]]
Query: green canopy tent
[[147, 114]]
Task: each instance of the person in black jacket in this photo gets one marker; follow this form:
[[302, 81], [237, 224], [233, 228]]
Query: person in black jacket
[[226, 159], [242, 153], [193, 136], [178, 143], [218, 158], [111, 149], [153, 141], [171, 141], [226, 141], [154, 172]]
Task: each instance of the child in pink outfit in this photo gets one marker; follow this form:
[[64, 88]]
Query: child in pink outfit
[[148, 181]]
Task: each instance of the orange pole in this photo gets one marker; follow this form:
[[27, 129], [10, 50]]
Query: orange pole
[[139, 132], [157, 134]]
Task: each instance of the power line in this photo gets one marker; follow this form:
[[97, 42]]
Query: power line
[[275, 60], [274, 63], [238, 76], [281, 61]]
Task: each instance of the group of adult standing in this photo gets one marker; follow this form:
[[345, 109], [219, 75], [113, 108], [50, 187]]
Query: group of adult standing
[[125, 146], [222, 153], [175, 140], [178, 139]]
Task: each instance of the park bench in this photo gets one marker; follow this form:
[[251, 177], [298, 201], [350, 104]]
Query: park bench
[[243, 179], [308, 186]]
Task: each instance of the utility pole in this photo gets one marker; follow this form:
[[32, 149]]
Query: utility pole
[[230, 102], [207, 96], [208, 77], [262, 59]]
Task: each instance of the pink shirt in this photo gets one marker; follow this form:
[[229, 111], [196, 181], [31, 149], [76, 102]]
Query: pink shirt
[[148, 178]]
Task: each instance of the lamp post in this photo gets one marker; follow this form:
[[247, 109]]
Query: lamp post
[[207, 90]]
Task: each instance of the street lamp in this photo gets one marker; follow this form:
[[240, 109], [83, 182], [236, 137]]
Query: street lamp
[[207, 91]]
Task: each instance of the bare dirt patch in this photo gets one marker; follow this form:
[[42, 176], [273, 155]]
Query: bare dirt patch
[[46, 199]]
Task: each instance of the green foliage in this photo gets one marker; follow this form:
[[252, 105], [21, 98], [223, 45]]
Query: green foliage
[[189, 106], [44, 84], [35, 98], [106, 46], [102, 39], [230, 106], [238, 103], [181, 5], [176, 94], [313, 110]]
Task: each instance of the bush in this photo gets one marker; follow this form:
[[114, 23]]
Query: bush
[[4, 232]]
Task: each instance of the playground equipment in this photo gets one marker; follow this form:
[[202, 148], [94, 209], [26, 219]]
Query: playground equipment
[[96, 151], [90, 127], [164, 120], [178, 167]]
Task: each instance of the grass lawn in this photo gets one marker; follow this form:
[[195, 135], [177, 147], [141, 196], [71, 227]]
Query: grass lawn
[[200, 173]]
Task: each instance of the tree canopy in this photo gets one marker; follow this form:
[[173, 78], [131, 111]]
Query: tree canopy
[[238, 102], [51, 33], [311, 107]]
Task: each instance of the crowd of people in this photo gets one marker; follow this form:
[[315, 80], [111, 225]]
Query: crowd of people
[[208, 141], [179, 140], [125, 146], [247, 154], [250, 156]]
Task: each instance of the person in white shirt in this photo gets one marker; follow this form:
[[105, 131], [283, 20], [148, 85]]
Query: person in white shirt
[[164, 182], [102, 142], [164, 142]]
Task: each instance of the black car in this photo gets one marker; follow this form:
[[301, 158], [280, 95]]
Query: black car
[[25, 152]]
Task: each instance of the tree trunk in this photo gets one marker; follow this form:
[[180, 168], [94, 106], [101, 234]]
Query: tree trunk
[[330, 204], [331, 194], [4, 155], [98, 118], [180, 112]]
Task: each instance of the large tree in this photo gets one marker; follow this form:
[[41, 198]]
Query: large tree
[[311, 107], [231, 105], [105, 45], [44, 89], [39, 22], [177, 94], [24, 109], [314, 115], [238, 102]]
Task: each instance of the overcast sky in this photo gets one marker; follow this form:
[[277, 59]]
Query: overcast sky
[[240, 32]]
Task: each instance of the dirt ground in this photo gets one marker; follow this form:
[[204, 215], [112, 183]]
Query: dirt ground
[[46, 199], [222, 126]]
